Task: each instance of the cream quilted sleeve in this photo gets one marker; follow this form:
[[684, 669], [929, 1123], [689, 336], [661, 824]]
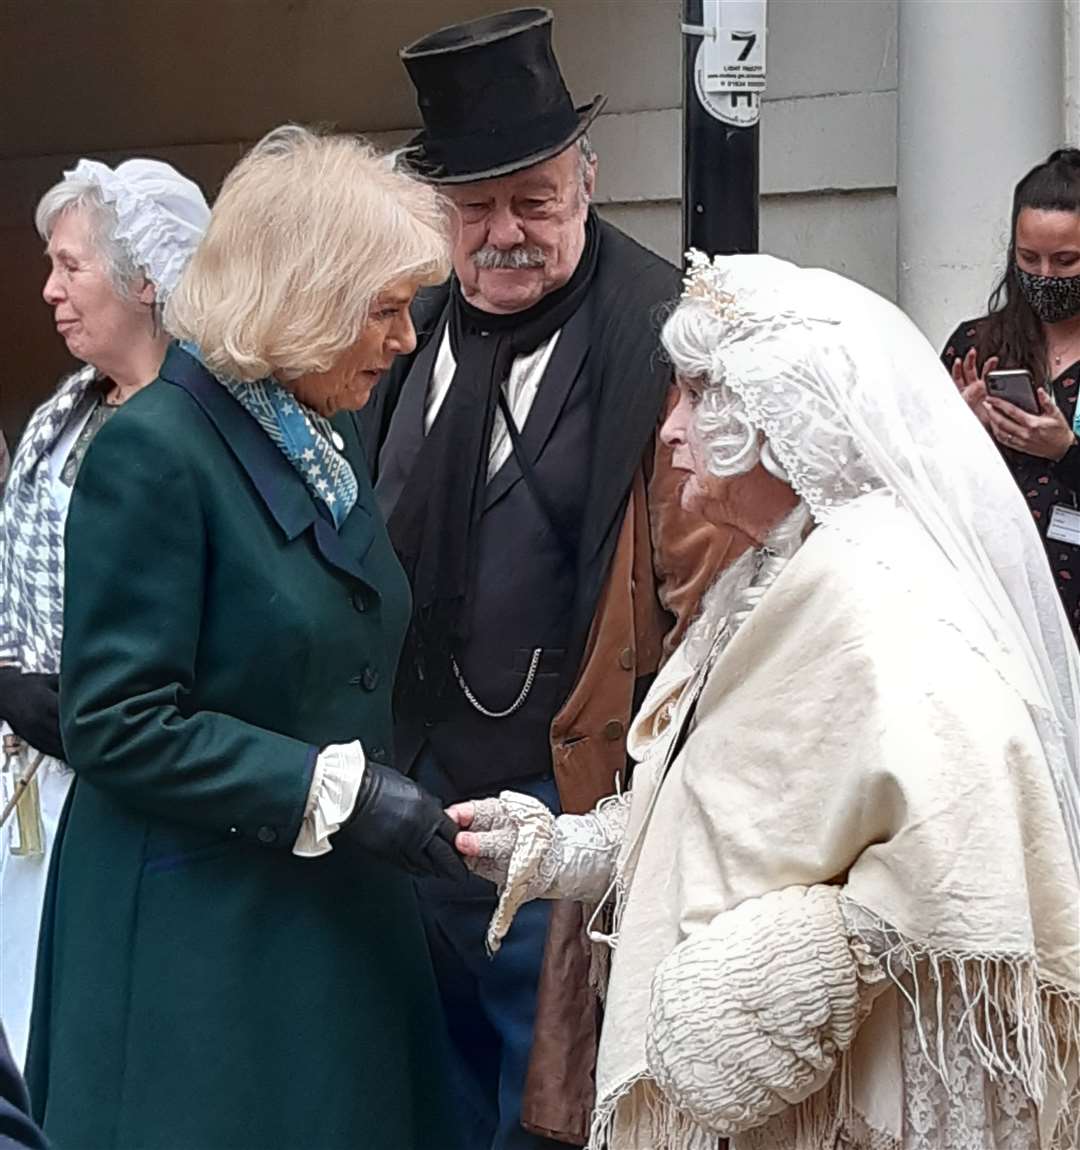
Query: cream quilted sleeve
[[751, 1014]]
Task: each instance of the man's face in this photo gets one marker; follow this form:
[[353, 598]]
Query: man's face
[[521, 236]]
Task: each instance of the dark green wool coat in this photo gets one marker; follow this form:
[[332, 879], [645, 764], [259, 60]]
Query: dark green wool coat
[[199, 986]]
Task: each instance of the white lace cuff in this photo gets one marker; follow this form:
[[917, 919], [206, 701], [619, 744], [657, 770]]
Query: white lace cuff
[[528, 853], [587, 847], [334, 787], [751, 1014]]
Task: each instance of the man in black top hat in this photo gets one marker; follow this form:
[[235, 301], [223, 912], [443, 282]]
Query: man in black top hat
[[516, 461]]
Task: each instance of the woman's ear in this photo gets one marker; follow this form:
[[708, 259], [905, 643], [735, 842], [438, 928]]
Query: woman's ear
[[147, 293]]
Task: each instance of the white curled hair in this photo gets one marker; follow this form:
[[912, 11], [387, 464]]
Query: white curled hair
[[732, 446], [76, 193], [722, 426]]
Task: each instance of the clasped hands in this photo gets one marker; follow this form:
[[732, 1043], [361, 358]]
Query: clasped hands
[[485, 838], [489, 833], [396, 819]]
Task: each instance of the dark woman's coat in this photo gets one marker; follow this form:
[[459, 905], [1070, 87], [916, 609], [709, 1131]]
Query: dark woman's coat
[[199, 986]]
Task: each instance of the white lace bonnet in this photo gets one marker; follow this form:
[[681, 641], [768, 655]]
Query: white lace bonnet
[[161, 215], [853, 400]]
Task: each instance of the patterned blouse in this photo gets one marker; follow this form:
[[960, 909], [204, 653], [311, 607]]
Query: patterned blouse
[[32, 524], [1043, 482]]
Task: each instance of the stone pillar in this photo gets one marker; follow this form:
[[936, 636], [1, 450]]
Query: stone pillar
[[980, 99], [1072, 71]]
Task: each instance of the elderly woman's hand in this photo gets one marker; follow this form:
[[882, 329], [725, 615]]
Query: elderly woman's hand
[[971, 383], [1046, 435], [487, 837]]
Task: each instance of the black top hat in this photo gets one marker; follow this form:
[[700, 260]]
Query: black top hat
[[492, 98]]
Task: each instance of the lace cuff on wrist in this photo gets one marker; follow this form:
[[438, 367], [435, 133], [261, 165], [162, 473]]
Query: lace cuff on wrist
[[334, 787]]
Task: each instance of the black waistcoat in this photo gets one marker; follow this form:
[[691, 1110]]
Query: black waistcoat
[[526, 582]]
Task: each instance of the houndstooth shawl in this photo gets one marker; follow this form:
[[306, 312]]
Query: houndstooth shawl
[[32, 537]]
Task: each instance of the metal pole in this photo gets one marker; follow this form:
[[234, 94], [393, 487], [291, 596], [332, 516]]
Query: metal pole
[[720, 158]]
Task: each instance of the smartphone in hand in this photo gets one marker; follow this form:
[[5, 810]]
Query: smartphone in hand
[[1014, 386]]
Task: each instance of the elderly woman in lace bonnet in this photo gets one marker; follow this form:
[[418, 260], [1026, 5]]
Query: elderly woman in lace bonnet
[[842, 893], [116, 241]]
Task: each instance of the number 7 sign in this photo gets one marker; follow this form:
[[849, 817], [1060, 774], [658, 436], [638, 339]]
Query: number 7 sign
[[734, 45]]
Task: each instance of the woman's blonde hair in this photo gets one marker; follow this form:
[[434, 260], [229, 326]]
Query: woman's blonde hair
[[308, 229]]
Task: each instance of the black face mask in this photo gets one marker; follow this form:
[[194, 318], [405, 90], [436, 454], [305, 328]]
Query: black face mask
[[1052, 298]]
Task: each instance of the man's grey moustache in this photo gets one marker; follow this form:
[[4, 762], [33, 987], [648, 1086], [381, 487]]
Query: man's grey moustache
[[514, 259]]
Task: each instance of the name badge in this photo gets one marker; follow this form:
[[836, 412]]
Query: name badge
[[1064, 525]]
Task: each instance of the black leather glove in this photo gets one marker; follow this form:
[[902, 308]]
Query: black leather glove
[[400, 822], [30, 702]]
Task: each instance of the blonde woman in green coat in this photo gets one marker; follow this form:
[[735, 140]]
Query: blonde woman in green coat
[[231, 955]]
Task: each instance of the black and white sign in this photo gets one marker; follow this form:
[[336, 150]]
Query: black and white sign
[[737, 109], [733, 46]]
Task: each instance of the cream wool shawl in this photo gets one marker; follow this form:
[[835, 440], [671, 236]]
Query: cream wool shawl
[[863, 728]]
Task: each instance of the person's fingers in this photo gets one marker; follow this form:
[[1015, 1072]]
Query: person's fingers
[[497, 844], [1011, 416], [1051, 414], [974, 393], [971, 372], [1007, 432], [468, 844], [1025, 421], [989, 366], [462, 814], [958, 372]]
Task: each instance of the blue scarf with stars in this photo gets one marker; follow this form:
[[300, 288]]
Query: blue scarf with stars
[[306, 439]]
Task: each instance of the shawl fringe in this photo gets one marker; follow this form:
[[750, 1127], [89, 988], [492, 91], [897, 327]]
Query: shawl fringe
[[1017, 1024]]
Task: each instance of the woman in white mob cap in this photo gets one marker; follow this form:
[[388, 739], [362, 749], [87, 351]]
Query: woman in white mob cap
[[117, 240]]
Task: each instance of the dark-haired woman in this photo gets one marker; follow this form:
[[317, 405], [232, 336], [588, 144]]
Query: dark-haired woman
[[1034, 323]]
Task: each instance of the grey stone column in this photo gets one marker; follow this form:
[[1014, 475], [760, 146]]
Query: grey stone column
[[980, 101]]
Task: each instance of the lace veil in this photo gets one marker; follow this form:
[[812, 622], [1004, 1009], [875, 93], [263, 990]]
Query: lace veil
[[854, 402]]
